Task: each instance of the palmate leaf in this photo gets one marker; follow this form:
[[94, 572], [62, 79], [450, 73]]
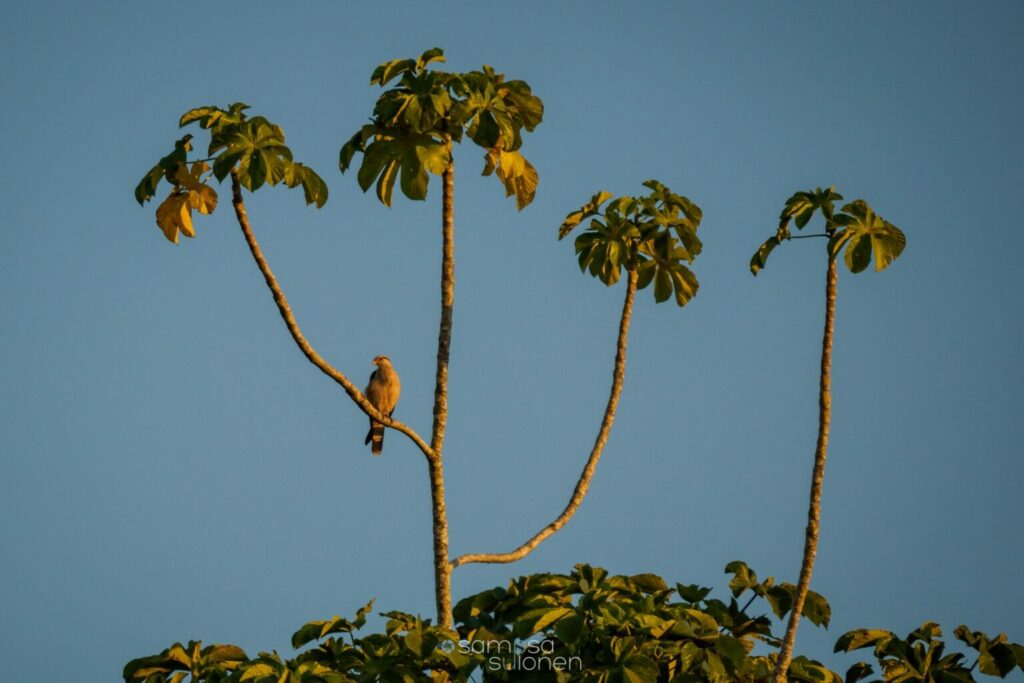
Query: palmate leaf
[[996, 656], [211, 663], [415, 121], [857, 228], [174, 216], [860, 638], [408, 158], [419, 104], [214, 117], [516, 173], [388, 71], [201, 196], [760, 257], [313, 186], [166, 168], [655, 234], [254, 148], [799, 209], [672, 278], [496, 111], [864, 234], [591, 208]]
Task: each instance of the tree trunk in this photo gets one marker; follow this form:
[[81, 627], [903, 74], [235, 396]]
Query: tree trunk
[[818, 477], [442, 569]]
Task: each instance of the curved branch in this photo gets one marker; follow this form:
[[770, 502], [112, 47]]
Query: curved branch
[[293, 327], [583, 485]]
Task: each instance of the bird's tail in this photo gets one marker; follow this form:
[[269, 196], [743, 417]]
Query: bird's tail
[[376, 436]]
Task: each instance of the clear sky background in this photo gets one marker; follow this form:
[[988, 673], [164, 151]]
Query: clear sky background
[[173, 468]]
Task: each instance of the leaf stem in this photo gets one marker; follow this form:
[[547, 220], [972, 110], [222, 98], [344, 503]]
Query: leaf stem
[[804, 237]]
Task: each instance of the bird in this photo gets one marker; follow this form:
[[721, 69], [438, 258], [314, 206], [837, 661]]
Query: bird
[[382, 392]]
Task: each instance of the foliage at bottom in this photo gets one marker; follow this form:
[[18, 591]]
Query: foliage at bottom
[[591, 627]]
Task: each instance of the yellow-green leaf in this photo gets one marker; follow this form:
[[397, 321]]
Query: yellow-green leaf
[[174, 215], [516, 173]]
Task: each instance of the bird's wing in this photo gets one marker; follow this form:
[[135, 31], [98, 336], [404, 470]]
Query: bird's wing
[[392, 390], [374, 390]]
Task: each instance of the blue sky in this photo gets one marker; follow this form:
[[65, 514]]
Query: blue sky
[[173, 468]]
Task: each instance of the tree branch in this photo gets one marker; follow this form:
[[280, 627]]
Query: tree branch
[[583, 485], [289, 320]]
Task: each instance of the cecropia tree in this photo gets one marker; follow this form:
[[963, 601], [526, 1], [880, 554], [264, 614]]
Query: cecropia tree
[[865, 236]]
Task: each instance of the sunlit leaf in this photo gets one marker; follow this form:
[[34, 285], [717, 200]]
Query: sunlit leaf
[[589, 209], [166, 168], [760, 257], [516, 173], [174, 215], [864, 234], [855, 640]]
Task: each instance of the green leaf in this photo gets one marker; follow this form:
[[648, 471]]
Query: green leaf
[[516, 173], [167, 168], [731, 649], [760, 257], [780, 598], [817, 609], [414, 178], [684, 285], [692, 592], [857, 672], [637, 668], [860, 638], [315, 630], [570, 628], [387, 71], [645, 273], [1018, 652], [313, 186], [744, 577], [662, 285], [649, 583], [386, 182], [538, 620], [213, 117], [589, 209], [864, 234]]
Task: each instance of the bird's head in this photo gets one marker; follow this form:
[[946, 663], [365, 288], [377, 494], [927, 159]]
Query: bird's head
[[382, 361]]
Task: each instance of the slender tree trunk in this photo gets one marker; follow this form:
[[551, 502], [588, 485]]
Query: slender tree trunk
[[818, 477], [583, 484], [442, 569]]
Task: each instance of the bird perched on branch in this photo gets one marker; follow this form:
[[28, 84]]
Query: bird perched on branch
[[382, 392]]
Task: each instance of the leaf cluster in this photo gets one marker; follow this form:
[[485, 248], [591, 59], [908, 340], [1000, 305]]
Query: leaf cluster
[[857, 228], [654, 235], [602, 628], [633, 628], [213, 663], [921, 656], [415, 120], [253, 148]]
